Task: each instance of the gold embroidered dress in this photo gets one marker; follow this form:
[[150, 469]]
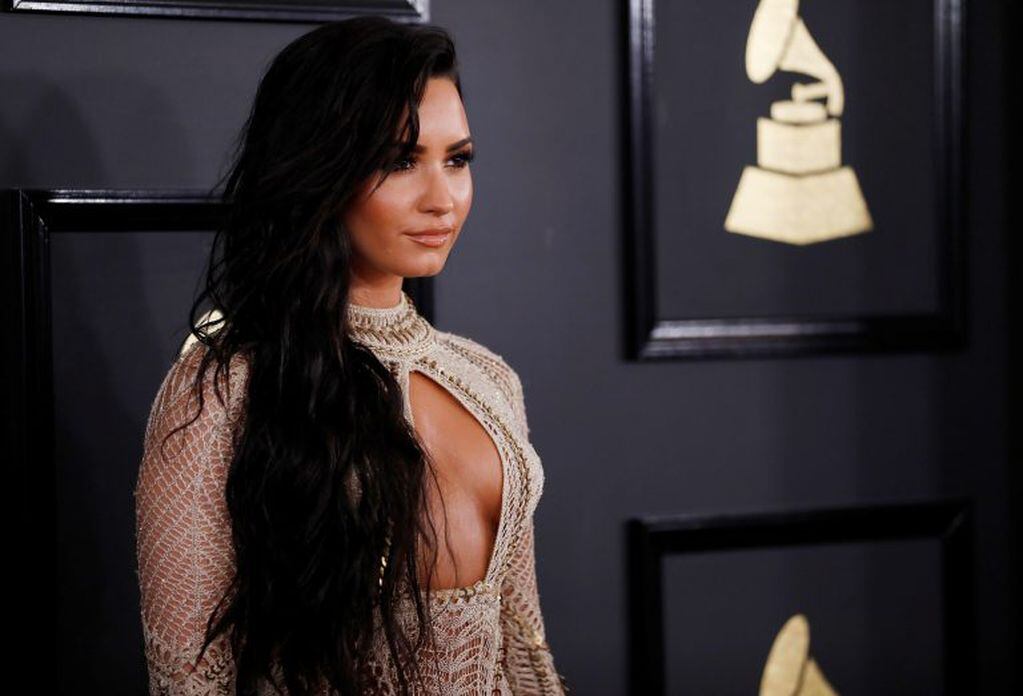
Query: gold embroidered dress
[[490, 635]]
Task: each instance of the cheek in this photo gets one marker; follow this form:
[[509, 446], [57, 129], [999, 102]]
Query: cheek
[[462, 193], [375, 222], [383, 209]]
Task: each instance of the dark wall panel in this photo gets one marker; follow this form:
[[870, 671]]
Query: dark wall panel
[[155, 103]]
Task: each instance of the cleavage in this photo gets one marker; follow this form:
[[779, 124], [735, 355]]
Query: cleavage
[[464, 501]]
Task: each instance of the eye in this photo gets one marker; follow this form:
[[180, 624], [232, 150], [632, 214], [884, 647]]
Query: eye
[[460, 161], [463, 158], [402, 164]]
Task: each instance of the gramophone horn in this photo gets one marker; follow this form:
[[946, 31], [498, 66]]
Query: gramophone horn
[[211, 321], [769, 36], [779, 40], [790, 671], [814, 683]]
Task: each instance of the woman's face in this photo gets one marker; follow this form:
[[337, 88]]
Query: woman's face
[[431, 190]]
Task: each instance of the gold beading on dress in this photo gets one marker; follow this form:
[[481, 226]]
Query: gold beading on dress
[[493, 637]]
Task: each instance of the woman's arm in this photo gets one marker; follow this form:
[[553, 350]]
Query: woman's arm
[[183, 532], [529, 664]]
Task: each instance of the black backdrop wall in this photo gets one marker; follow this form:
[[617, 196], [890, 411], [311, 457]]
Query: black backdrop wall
[[108, 102]]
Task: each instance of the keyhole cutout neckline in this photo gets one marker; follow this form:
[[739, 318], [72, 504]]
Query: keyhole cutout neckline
[[399, 335], [503, 464]]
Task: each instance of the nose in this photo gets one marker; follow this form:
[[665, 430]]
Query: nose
[[437, 196]]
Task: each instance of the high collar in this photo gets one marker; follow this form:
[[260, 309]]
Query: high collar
[[398, 331]]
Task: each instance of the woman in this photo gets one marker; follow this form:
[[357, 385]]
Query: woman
[[305, 454]]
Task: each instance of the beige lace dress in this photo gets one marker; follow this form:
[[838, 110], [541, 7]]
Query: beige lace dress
[[490, 635]]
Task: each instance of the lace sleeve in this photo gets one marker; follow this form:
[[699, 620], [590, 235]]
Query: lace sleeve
[[183, 535], [529, 664]]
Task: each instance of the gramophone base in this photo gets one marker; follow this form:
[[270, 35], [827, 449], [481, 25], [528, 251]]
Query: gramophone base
[[798, 209]]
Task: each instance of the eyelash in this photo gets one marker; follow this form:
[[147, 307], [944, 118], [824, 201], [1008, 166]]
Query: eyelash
[[464, 157]]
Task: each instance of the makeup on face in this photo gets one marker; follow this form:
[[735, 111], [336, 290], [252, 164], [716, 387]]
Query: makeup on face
[[431, 240], [423, 195]]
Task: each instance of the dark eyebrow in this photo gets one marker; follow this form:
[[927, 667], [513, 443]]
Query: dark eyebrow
[[453, 146]]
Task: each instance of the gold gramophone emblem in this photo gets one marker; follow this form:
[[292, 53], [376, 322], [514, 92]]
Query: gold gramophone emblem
[[799, 192], [211, 321], [790, 671]]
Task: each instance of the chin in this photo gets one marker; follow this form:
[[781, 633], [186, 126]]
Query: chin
[[431, 265]]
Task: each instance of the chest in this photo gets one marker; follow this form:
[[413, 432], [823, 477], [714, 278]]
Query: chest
[[454, 410], [488, 478], [465, 457]]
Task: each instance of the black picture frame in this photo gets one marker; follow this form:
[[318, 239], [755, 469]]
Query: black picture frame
[[257, 10], [28, 220], [649, 336], [650, 539]]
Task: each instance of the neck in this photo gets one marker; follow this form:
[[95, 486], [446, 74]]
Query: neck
[[378, 294]]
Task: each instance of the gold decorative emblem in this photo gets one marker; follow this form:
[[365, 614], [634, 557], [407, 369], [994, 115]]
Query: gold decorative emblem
[[799, 192], [790, 671], [211, 321]]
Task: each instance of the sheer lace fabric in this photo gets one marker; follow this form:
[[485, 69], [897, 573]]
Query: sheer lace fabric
[[490, 635]]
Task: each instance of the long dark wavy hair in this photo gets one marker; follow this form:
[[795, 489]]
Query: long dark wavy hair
[[338, 105]]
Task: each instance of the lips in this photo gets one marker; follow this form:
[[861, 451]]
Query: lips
[[434, 237], [430, 232]]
